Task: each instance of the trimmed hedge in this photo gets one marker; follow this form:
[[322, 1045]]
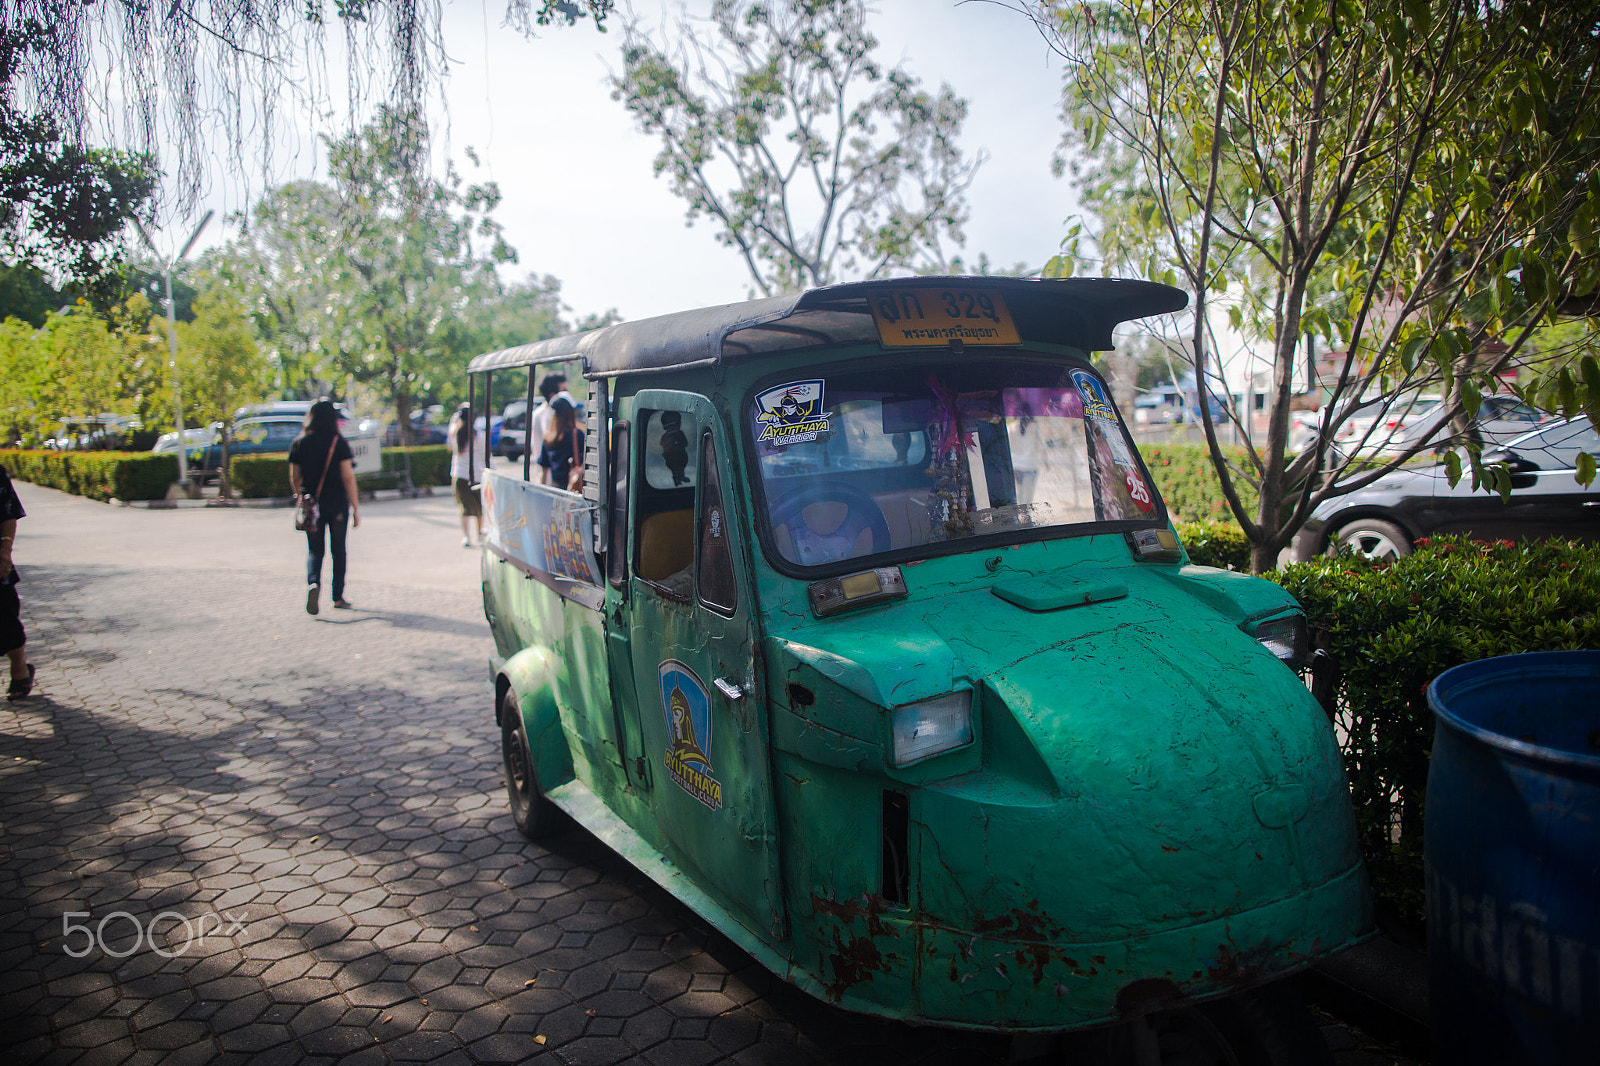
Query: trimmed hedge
[[259, 477], [1188, 482], [97, 475], [1391, 629], [1219, 544]]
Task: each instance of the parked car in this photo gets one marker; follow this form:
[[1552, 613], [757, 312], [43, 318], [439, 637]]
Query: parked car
[[95, 432], [1500, 420], [197, 440], [255, 436], [1381, 429], [1385, 519], [426, 428], [1159, 406], [514, 428], [1372, 429]]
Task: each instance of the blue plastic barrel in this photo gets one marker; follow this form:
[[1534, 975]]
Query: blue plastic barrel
[[1512, 854]]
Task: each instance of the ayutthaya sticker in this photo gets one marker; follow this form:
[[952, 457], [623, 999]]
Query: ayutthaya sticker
[[687, 706], [1095, 404], [791, 414]]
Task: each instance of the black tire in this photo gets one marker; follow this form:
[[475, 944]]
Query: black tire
[[535, 816], [1371, 537], [1263, 1027]]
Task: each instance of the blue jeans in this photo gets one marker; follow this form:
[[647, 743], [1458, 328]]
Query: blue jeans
[[336, 525]]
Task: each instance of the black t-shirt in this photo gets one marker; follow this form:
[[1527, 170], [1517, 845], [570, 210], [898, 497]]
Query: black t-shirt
[[309, 453], [10, 508]]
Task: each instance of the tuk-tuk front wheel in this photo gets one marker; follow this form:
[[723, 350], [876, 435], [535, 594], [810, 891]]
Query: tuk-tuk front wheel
[[1263, 1027], [535, 816]]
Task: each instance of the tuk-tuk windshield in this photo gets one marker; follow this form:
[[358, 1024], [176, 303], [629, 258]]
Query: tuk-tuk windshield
[[861, 463]]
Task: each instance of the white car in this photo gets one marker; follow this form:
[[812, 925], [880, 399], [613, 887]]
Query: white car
[[197, 440], [1500, 420], [1372, 429]]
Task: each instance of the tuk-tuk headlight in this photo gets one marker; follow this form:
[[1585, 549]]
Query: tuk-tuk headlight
[[1285, 637], [931, 727]]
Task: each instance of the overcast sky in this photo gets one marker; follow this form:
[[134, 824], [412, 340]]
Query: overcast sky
[[581, 199]]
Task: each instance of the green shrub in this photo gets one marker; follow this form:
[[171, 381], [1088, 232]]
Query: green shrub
[[1219, 544], [430, 464], [97, 475], [1188, 482], [261, 477], [1391, 629]]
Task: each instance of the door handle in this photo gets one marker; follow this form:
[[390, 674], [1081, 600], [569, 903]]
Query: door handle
[[1591, 503], [729, 689]]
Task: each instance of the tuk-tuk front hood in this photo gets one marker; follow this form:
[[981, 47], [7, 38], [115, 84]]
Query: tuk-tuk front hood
[[1152, 800], [1195, 777]]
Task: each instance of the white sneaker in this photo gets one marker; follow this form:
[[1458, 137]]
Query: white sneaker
[[466, 542]]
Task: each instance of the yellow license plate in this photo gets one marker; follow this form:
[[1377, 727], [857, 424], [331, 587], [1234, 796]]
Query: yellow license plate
[[922, 318]]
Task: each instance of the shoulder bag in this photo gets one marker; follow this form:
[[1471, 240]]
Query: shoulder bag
[[307, 515], [575, 473]]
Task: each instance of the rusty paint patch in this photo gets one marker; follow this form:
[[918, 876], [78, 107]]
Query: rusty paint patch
[[849, 911], [1019, 924], [854, 963]]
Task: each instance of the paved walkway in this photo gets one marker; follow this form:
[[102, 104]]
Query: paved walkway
[[278, 838]]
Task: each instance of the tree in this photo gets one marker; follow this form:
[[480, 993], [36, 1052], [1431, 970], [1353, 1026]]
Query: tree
[[221, 366], [1412, 183], [199, 73], [62, 205], [282, 263], [80, 363], [813, 161], [378, 276]]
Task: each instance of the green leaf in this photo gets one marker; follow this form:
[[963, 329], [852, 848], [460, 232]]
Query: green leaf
[[1568, 391], [1471, 398], [1590, 369], [1410, 349], [1452, 467], [1585, 468], [1500, 481]]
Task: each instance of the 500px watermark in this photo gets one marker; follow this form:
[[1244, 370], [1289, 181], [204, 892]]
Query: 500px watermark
[[118, 925]]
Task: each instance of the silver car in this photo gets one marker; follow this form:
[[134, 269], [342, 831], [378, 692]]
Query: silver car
[[1386, 518]]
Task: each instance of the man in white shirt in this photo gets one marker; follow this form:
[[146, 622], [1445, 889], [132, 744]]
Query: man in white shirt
[[553, 386]]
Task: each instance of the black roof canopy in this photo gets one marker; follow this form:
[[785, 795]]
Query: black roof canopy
[[1077, 312]]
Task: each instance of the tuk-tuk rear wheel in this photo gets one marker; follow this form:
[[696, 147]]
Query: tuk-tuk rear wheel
[[1263, 1027], [535, 816]]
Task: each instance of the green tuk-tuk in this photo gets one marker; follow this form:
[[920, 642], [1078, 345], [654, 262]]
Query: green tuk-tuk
[[869, 638]]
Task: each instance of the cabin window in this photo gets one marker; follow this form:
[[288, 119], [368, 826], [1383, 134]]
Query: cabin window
[[664, 540]]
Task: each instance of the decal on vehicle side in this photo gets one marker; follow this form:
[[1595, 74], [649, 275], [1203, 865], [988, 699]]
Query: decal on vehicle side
[[1095, 404], [791, 413], [687, 706]]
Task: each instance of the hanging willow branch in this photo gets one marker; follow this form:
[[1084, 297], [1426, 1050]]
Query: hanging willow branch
[[187, 76]]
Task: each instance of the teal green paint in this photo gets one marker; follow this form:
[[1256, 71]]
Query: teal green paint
[[1150, 795]]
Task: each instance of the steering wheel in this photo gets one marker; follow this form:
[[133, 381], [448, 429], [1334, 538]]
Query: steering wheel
[[815, 546]]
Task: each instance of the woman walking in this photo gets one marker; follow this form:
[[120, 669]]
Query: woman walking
[[460, 435], [562, 454], [319, 464], [13, 638]]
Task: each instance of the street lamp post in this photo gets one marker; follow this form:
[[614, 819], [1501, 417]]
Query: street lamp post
[[172, 337]]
